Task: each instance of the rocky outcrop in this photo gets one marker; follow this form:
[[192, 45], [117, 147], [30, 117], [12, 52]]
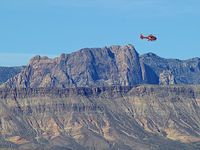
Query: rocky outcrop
[[131, 117], [106, 66], [166, 78], [183, 71], [9, 72], [115, 65]]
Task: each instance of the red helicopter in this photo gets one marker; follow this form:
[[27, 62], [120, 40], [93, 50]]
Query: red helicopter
[[150, 37]]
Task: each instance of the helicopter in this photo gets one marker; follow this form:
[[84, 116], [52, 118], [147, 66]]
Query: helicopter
[[150, 37]]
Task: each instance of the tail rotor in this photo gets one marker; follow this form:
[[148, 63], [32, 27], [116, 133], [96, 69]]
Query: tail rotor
[[141, 36]]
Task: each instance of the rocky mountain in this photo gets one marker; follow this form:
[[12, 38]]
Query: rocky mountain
[[88, 67], [105, 66], [9, 72], [104, 99], [174, 70], [145, 117]]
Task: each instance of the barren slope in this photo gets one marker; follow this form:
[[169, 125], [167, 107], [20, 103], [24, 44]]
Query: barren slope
[[137, 118]]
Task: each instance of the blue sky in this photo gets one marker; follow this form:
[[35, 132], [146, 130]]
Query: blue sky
[[52, 27]]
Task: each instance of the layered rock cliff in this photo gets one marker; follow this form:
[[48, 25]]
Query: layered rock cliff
[[142, 117]]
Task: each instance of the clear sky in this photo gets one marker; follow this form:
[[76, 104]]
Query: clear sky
[[52, 27]]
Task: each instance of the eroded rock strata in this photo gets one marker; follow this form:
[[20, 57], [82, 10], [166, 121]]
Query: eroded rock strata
[[141, 117]]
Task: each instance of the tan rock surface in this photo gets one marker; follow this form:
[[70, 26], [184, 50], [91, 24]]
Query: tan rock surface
[[138, 117]]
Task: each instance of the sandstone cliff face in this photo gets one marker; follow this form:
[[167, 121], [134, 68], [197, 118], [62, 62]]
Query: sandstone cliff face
[[166, 78], [140, 117], [113, 65]]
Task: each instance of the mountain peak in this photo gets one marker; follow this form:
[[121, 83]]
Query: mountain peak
[[38, 58], [114, 65], [105, 66]]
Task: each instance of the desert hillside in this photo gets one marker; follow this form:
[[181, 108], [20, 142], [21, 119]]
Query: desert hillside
[[145, 117]]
